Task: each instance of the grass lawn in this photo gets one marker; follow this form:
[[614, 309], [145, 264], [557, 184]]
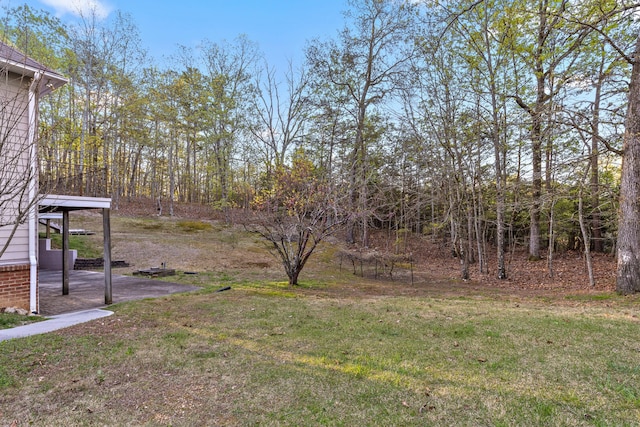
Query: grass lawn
[[264, 354], [10, 320], [340, 350]]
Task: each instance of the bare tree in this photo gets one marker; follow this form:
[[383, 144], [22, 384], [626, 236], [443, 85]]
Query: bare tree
[[295, 215], [19, 95], [487, 57], [18, 175], [280, 118], [230, 68], [368, 64]]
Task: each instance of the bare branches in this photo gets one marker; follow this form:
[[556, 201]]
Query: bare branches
[[295, 215], [18, 176]]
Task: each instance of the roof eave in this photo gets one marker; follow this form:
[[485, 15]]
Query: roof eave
[[49, 81], [59, 202]]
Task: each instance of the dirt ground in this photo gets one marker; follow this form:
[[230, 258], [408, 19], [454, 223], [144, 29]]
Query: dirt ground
[[434, 267]]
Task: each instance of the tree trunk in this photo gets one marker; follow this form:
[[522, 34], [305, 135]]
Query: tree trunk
[[628, 245], [552, 238], [534, 225], [172, 179], [596, 231], [585, 239], [293, 277]]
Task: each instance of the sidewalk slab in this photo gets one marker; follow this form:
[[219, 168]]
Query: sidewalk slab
[[85, 301], [86, 290], [53, 323]]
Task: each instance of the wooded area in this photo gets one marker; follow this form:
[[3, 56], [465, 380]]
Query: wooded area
[[490, 124]]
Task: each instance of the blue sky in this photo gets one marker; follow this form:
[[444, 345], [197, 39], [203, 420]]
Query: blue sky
[[280, 27]]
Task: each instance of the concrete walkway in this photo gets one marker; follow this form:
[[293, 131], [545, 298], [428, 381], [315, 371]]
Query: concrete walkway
[[54, 323], [86, 290], [85, 301]]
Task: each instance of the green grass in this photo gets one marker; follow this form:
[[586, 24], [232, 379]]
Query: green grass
[[191, 225], [10, 320], [85, 245], [267, 354]]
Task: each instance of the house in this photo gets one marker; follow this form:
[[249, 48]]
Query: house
[[23, 82]]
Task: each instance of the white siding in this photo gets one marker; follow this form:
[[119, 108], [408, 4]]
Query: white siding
[[14, 166], [18, 250]]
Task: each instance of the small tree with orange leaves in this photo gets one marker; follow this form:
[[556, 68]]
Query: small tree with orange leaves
[[295, 214]]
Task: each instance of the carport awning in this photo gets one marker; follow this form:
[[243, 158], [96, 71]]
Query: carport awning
[[65, 204], [54, 202]]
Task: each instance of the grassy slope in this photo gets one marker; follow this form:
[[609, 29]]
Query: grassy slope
[[265, 354], [258, 354]]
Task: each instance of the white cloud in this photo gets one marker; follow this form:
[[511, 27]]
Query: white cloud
[[80, 7]]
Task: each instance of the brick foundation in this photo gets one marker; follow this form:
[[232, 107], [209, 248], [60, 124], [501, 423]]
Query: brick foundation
[[15, 286]]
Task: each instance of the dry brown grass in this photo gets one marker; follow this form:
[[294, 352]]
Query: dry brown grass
[[146, 242]]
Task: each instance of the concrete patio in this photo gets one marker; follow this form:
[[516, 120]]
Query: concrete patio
[[86, 290]]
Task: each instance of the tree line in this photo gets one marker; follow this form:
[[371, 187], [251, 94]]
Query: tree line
[[489, 124]]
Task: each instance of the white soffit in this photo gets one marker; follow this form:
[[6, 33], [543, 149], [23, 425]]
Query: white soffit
[[54, 202], [13, 60], [50, 215]]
